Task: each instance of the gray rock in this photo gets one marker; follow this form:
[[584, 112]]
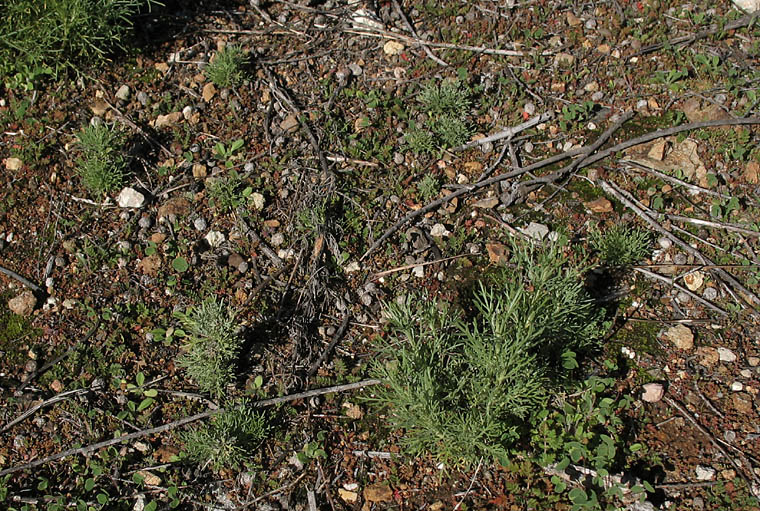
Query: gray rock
[[726, 355], [199, 224], [705, 473], [123, 93], [535, 230], [710, 293], [23, 304], [278, 239], [145, 222], [130, 198], [142, 98]]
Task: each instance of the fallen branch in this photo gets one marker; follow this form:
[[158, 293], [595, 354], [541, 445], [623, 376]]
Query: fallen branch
[[411, 29], [585, 161], [748, 296], [31, 285], [672, 283], [65, 354], [187, 420], [507, 132], [714, 29], [753, 488], [42, 404]]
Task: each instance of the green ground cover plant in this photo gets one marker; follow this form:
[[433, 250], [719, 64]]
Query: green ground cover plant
[[38, 38], [211, 345], [102, 165], [226, 68], [621, 245], [463, 382], [226, 441]]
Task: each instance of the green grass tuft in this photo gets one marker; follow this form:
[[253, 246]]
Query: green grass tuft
[[621, 245]]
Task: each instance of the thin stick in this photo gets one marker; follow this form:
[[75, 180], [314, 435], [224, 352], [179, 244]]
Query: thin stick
[[335, 340], [31, 285], [187, 420], [65, 354], [410, 266], [586, 161], [673, 180], [507, 132], [60, 397], [472, 481], [411, 29], [415, 40], [717, 445], [257, 239], [741, 22], [749, 297], [717, 225]]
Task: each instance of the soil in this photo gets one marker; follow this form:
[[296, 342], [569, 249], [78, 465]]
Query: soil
[[324, 170]]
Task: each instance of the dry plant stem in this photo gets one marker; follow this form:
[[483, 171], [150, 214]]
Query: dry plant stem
[[12, 274], [469, 488], [740, 23], [672, 283], [335, 340], [674, 181], [718, 446], [507, 132], [748, 296], [285, 97], [717, 225], [463, 47], [410, 266], [410, 27], [266, 249], [59, 397], [126, 120], [587, 160], [187, 420], [65, 354]]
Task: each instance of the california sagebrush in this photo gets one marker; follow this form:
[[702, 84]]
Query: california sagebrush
[[211, 345], [102, 165], [462, 381], [226, 442]]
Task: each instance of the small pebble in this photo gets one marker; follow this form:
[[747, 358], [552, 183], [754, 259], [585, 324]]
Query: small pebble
[[145, 222], [199, 224], [710, 293], [142, 98], [729, 436], [123, 93], [278, 239], [737, 386], [726, 355], [248, 167], [398, 158], [665, 243], [705, 473]]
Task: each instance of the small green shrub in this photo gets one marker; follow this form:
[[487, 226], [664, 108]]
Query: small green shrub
[[446, 105], [228, 439], [102, 165], [211, 345], [428, 187], [47, 37], [621, 245], [226, 68], [463, 383], [451, 97], [225, 192]]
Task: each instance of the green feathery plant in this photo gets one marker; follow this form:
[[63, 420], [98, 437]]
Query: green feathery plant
[[446, 105], [102, 166], [47, 37], [226, 68], [621, 245], [211, 345], [463, 384], [226, 441]]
